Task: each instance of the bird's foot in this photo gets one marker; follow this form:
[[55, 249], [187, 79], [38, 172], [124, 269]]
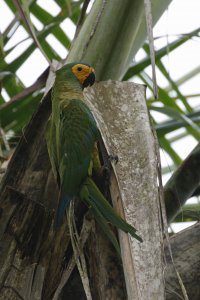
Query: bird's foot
[[113, 158], [106, 169]]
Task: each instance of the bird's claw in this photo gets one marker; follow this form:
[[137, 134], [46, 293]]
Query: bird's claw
[[105, 171], [107, 167], [113, 158]]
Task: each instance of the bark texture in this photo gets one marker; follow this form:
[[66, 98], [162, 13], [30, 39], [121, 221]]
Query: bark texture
[[124, 122], [185, 248], [182, 184]]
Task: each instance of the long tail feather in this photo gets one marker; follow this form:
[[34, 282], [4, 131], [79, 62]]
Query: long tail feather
[[64, 201], [104, 225], [91, 194]]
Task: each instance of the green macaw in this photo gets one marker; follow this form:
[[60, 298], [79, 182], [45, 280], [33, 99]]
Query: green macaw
[[72, 136]]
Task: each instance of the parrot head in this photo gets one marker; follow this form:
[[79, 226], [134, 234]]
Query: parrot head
[[82, 72]]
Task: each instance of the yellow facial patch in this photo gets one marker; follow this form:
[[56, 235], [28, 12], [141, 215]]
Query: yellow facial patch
[[82, 72]]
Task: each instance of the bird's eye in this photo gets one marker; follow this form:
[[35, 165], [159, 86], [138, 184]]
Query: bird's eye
[[79, 69]]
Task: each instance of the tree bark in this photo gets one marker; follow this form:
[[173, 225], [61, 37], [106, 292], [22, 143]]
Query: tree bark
[[124, 121], [182, 184], [185, 248]]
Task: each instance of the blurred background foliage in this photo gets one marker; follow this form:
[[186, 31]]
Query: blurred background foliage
[[19, 100]]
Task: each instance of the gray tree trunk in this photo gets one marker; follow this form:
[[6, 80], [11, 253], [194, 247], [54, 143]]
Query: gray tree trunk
[[123, 118], [185, 248]]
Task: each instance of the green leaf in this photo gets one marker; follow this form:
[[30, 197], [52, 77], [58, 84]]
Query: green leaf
[[138, 67], [16, 116], [189, 212], [194, 129], [164, 143]]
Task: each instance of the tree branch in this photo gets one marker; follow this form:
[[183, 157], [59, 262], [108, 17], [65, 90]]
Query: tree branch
[[185, 248], [182, 184]]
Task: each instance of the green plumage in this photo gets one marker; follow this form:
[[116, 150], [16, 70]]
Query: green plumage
[[71, 136]]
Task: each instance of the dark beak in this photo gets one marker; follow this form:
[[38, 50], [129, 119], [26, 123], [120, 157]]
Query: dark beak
[[90, 80]]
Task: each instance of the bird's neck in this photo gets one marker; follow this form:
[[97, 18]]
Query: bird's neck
[[64, 90]]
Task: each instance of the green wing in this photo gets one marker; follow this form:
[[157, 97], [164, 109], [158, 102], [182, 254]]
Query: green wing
[[77, 133]]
